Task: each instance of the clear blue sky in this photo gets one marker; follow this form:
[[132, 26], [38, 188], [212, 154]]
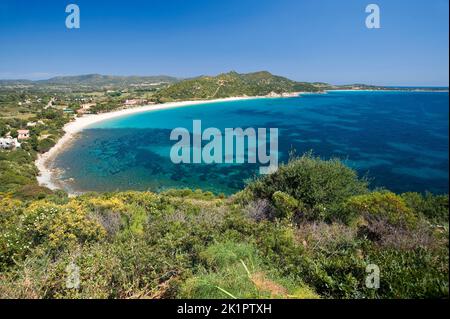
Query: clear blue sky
[[308, 40]]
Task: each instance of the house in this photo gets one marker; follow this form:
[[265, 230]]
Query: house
[[85, 109], [131, 102], [33, 124], [23, 134], [134, 102], [273, 94], [8, 143], [82, 111], [87, 106]]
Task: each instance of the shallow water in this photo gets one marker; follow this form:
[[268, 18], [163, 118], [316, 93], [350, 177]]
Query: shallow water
[[398, 139]]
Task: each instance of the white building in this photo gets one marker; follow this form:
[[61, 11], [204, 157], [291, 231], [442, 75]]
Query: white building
[[8, 143]]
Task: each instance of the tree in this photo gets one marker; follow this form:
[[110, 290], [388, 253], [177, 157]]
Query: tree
[[3, 129], [14, 133]]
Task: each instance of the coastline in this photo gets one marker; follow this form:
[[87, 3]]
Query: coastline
[[46, 176]]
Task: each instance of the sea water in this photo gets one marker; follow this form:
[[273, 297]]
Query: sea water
[[399, 140]]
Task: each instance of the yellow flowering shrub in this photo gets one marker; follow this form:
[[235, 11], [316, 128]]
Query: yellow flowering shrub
[[384, 205], [59, 226]]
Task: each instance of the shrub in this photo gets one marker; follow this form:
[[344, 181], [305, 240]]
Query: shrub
[[59, 226], [327, 237], [387, 235], [286, 206], [379, 205], [29, 192], [417, 273], [320, 185], [259, 209], [433, 207], [45, 145]]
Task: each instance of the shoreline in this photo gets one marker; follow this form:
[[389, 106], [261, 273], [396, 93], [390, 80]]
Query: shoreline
[[46, 176]]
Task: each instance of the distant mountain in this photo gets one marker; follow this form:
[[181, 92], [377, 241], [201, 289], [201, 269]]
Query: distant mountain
[[15, 82], [170, 88], [105, 80], [233, 84], [89, 82]]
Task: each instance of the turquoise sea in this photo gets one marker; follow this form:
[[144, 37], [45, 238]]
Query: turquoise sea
[[399, 140]]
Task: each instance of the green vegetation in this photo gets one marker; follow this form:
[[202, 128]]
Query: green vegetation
[[16, 170], [308, 230], [232, 84], [318, 186], [278, 238]]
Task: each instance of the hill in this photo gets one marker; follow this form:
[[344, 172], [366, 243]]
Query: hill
[[233, 84]]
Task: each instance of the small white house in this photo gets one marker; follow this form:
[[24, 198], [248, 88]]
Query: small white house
[[8, 143], [87, 106], [136, 102]]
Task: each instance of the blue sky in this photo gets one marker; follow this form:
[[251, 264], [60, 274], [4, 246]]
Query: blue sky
[[307, 40]]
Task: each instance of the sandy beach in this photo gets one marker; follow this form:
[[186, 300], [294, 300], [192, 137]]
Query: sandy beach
[[46, 173]]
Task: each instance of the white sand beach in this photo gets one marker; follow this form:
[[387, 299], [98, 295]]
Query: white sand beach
[[46, 178]]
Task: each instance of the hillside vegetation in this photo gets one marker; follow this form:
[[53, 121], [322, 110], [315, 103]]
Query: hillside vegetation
[[307, 231], [232, 84]]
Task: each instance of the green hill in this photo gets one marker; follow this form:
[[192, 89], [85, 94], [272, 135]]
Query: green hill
[[233, 84]]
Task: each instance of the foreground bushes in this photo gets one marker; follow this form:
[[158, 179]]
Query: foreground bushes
[[279, 238], [319, 186]]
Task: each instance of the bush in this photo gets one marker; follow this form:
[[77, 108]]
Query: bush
[[433, 207], [57, 227], [318, 184], [379, 205], [418, 273], [29, 192], [14, 175], [45, 145]]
